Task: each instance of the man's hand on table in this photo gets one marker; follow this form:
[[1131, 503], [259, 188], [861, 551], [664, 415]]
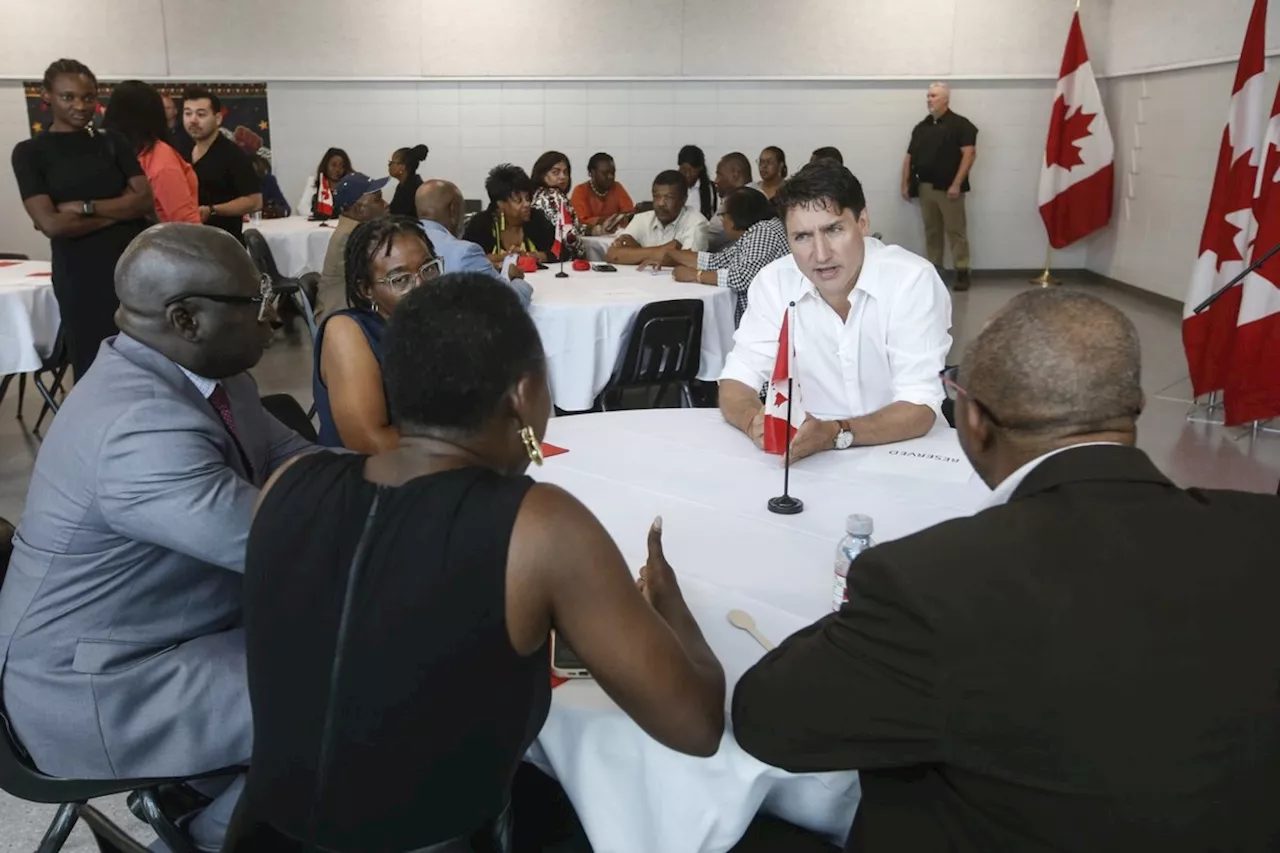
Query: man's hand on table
[[755, 430], [814, 436]]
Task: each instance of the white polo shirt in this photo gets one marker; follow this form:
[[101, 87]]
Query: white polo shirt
[[689, 228], [892, 346]]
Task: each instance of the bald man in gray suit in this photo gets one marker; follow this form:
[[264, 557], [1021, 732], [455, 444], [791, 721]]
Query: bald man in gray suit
[[121, 651]]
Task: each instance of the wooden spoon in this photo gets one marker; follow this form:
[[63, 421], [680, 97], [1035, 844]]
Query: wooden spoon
[[743, 620]]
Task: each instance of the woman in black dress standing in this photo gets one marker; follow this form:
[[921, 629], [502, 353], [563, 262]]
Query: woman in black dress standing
[[397, 606], [86, 192]]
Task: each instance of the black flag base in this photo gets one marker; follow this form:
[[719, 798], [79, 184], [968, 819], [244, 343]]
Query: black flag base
[[562, 273], [786, 505]]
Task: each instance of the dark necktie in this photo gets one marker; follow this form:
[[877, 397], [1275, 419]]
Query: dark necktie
[[221, 403]]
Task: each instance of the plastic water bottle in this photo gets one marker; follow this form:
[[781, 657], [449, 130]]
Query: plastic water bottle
[[858, 528]]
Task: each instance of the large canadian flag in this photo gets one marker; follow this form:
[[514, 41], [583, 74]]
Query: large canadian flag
[[1253, 383], [1230, 224], [783, 414], [1078, 173]]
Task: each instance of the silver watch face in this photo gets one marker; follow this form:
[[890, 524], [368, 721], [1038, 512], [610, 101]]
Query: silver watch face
[[844, 440]]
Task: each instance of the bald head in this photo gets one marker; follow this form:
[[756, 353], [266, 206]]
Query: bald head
[[440, 201], [1056, 363], [191, 293], [176, 258]]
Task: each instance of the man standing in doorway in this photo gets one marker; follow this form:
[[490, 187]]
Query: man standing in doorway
[[229, 185], [942, 150]]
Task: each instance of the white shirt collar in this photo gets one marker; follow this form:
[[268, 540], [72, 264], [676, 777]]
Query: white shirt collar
[[1001, 494], [203, 385]]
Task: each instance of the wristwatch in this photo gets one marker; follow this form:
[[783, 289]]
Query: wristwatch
[[87, 208], [844, 438]]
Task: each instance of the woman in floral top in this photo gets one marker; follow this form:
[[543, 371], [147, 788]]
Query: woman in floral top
[[552, 177]]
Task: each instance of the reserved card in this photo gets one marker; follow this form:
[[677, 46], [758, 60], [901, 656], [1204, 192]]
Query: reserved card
[[940, 460]]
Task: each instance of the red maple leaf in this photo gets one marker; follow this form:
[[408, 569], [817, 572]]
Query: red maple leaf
[[1064, 132], [779, 399], [1233, 184]]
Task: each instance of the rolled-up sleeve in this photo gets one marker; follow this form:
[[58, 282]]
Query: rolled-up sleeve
[[919, 340], [755, 344]]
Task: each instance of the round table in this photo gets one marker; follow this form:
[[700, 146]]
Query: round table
[[584, 320], [710, 485], [297, 244], [29, 316], [597, 247]]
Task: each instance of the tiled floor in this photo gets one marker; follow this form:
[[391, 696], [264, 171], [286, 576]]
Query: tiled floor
[[1191, 453]]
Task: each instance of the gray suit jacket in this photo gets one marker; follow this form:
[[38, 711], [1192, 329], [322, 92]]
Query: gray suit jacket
[[121, 651]]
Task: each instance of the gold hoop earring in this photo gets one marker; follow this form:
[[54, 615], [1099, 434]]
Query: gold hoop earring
[[531, 445]]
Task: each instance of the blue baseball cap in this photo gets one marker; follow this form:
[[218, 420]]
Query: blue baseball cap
[[353, 187]]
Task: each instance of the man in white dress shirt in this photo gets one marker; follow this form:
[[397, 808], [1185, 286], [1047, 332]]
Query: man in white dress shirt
[[670, 225], [870, 328]]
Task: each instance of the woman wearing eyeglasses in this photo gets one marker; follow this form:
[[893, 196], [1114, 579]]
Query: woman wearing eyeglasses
[[385, 259]]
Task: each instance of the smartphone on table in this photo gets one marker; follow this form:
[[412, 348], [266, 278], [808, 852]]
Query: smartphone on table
[[564, 663]]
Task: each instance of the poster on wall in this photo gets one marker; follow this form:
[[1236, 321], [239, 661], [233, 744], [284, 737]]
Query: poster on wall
[[244, 111]]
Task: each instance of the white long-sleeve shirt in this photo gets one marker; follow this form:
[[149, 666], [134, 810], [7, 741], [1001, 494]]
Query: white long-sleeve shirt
[[891, 348]]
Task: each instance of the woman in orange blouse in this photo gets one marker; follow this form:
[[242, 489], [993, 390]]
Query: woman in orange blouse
[[602, 203], [136, 110]]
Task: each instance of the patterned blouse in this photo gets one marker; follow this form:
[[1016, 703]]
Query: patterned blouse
[[548, 200], [736, 267]]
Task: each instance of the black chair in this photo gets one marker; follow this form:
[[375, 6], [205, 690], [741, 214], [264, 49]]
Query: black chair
[[55, 366], [152, 800], [664, 348], [288, 411], [301, 291]]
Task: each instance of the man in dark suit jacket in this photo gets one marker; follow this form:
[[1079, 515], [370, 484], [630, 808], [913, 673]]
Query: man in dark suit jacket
[[1090, 664]]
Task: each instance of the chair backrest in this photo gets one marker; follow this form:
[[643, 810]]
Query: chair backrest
[[665, 344], [288, 411], [260, 252], [13, 256], [472, 206]]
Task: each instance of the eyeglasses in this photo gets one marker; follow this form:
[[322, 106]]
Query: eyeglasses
[[403, 282], [266, 297], [955, 389]]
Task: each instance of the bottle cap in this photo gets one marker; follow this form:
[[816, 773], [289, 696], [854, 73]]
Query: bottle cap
[[859, 525]]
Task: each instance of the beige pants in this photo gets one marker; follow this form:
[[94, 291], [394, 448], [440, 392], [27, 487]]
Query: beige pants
[[944, 216]]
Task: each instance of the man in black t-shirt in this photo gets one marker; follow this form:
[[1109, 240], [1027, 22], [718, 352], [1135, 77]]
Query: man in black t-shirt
[[942, 150], [229, 185]]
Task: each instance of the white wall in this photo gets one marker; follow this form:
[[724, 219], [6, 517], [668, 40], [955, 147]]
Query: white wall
[[301, 39], [1151, 34]]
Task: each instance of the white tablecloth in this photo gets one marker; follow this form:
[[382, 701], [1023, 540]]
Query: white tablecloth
[[584, 320], [711, 485], [297, 244], [597, 247], [29, 315]]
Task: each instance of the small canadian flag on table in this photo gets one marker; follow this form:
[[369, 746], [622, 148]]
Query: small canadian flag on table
[[783, 411], [1078, 174], [563, 224]]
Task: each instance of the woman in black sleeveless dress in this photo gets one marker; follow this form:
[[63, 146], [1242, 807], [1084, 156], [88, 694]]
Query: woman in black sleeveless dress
[[398, 606]]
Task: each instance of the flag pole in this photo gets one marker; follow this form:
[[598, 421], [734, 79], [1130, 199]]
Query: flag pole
[[784, 504], [1046, 279]]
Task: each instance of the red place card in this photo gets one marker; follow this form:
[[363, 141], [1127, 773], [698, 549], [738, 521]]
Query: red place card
[[549, 450]]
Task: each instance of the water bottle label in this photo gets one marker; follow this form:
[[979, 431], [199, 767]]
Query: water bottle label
[[839, 592]]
